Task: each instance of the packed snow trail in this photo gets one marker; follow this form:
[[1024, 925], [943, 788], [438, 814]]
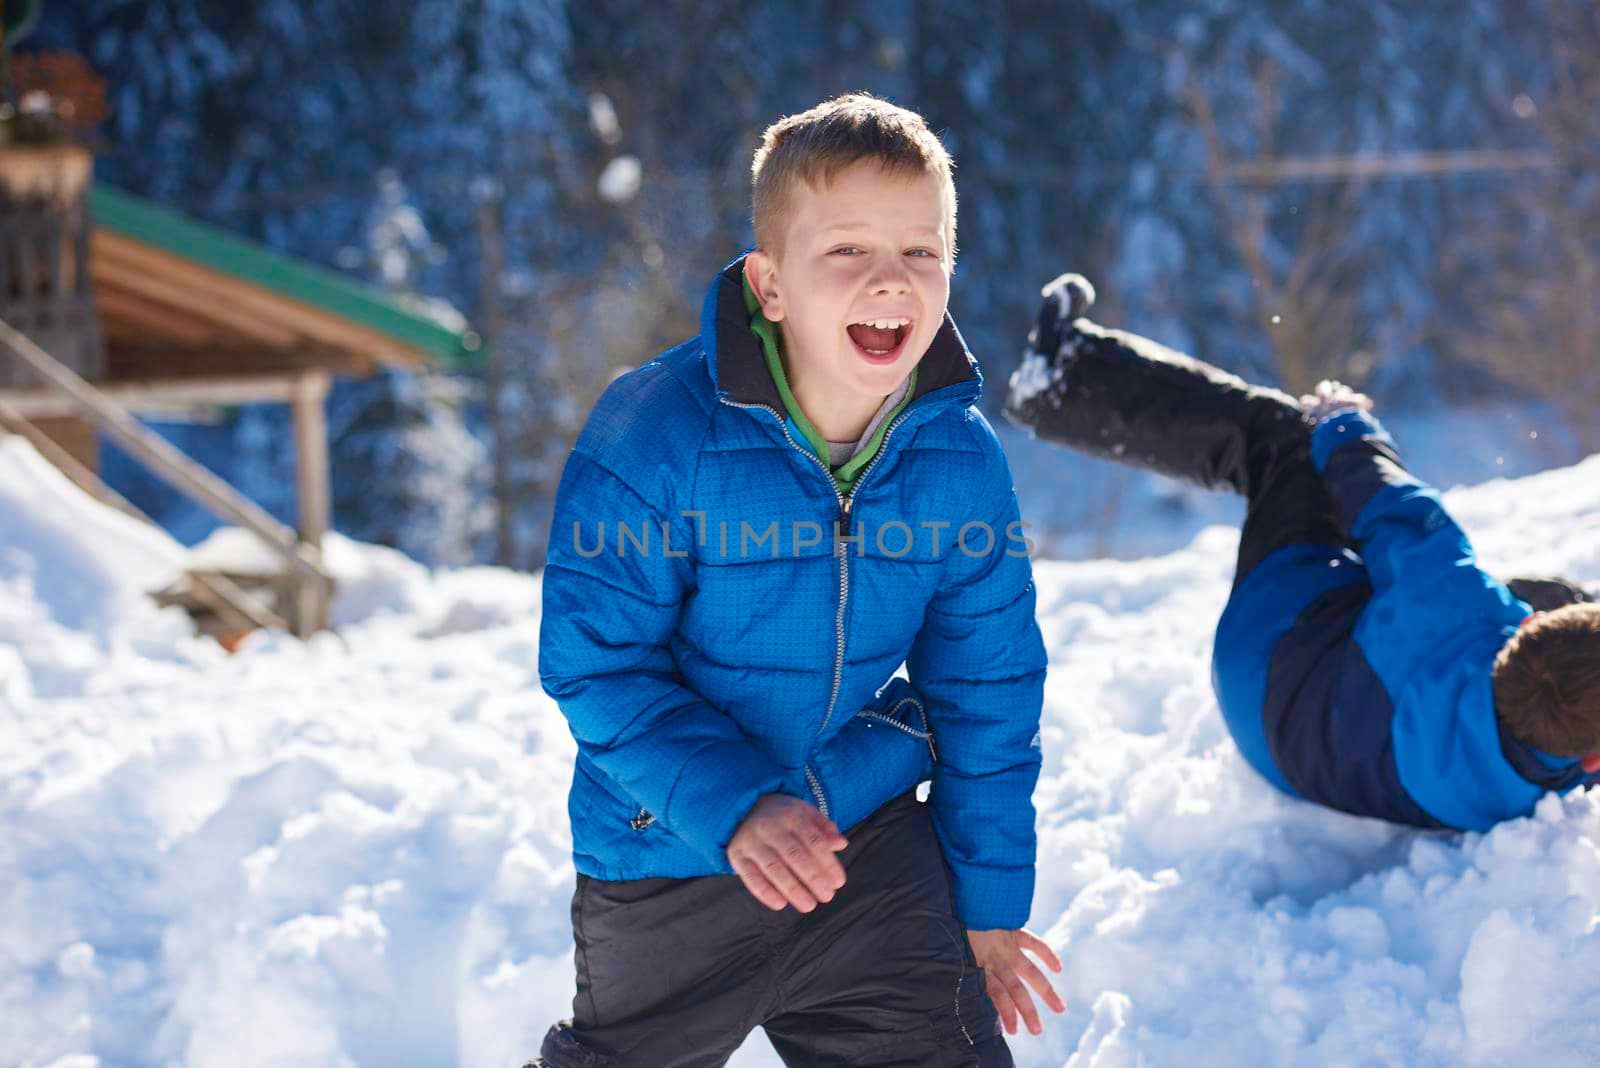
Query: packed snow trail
[[354, 851]]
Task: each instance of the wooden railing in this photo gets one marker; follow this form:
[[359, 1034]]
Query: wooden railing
[[311, 582], [45, 289]]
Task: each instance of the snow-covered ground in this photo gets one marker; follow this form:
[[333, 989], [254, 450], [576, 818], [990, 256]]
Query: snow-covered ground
[[354, 851]]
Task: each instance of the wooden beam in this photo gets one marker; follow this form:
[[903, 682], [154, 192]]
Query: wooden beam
[[157, 361], [125, 315], [1387, 165], [309, 398], [158, 395], [239, 611], [208, 302], [118, 256], [164, 459]]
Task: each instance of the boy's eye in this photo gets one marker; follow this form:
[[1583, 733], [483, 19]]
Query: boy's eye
[[845, 250], [921, 252]]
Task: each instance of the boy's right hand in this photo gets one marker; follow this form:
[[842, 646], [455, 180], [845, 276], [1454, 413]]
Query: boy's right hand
[[784, 854], [1333, 398], [1052, 343], [1067, 298]]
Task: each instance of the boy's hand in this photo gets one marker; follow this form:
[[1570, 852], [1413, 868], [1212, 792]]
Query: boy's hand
[[1333, 398], [1052, 343], [784, 853], [1067, 298], [1010, 973]]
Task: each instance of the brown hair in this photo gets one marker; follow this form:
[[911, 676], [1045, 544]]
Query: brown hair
[[817, 144], [1547, 682]]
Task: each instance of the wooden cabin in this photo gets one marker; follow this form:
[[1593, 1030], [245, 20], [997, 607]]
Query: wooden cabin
[[112, 306]]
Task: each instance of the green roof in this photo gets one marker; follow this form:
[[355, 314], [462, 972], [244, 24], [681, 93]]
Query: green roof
[[296, 279]]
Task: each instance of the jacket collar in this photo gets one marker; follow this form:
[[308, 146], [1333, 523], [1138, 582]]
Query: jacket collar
[[737, 366], [1539, 767]]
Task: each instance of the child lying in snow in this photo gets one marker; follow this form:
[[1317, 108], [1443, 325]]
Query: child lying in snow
[[1363, 661]]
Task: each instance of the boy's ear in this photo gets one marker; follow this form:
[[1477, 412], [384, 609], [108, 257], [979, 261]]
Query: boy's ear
[[762, 273]]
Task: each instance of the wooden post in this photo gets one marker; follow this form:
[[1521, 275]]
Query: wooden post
[[312, 593]]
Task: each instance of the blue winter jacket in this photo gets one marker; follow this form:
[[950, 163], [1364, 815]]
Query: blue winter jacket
[[723, 644], [1362, 679]]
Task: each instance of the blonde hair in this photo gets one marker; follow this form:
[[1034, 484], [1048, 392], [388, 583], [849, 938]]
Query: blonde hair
[[817, 144]]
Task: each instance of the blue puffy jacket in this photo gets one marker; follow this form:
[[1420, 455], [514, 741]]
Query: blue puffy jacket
[[1362, 680], [722, 644]]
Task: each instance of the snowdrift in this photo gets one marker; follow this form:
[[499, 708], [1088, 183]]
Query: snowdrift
[[354, 851]]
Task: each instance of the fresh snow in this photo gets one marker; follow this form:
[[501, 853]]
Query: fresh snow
[[354, 851], [1035, 374]]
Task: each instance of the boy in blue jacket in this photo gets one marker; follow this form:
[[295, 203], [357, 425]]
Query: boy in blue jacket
[[1364, 661], [754, 532]]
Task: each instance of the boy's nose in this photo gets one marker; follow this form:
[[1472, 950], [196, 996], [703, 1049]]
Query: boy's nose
[[891, 278]]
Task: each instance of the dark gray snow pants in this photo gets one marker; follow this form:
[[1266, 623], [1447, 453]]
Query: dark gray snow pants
[[675, 973]]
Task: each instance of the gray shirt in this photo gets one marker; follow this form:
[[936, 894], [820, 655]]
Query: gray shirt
[[842, 452]]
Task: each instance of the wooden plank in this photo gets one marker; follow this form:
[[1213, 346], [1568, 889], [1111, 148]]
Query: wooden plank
[[24, 232], [75, 436], [80, 266], [127, 315], [312, 496], [207, 303], [165, 460], [112, 251], [309, 398], [159, 395], [40, 230], [153, 361], [53, 230], [238, 611]]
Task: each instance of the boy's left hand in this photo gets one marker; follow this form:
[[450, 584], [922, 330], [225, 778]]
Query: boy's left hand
[[783, 852], [1010, 973]]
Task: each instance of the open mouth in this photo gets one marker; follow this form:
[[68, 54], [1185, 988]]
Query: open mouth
[[880, 340]]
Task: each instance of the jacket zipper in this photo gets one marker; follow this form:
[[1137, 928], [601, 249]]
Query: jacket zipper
[[844, 585], [844, 561], [926, 733], [844, 565], [816, 790]]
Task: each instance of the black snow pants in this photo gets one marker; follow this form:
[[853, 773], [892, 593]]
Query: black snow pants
[[1126, 398], [1123, 397], [675, 973]]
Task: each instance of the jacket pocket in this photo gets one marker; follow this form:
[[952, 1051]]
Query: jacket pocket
[[907, 715], [878, 754], [605, 821]]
